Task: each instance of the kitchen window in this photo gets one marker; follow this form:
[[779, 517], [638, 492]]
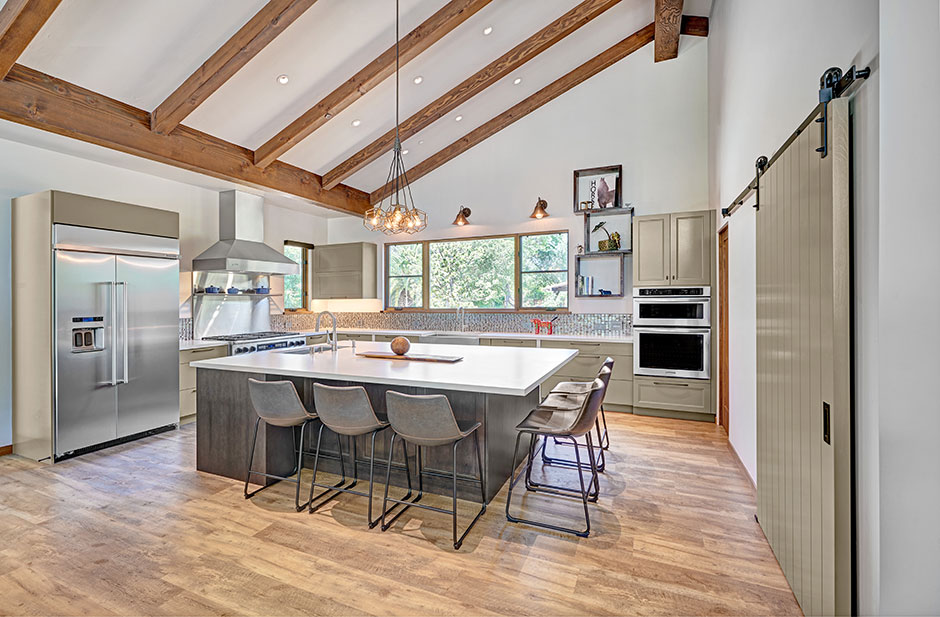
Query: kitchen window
[[404, 286], [496, 273], [296, 296]]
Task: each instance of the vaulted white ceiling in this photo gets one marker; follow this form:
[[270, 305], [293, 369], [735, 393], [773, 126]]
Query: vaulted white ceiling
[[139, 51]]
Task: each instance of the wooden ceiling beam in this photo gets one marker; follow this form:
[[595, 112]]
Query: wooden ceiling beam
[[668, 15], [432, 30], [473, 85], [697, 26], [38, 100], [20, 21], [244, 45]]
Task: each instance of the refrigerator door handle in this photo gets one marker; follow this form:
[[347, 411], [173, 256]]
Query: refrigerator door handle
[[124, 330], [113, 307]]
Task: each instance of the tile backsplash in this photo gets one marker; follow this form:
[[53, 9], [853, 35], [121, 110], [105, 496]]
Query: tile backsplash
[[616, 324], [601, 324]]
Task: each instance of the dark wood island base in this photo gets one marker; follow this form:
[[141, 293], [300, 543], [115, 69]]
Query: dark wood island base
[[225, 424]]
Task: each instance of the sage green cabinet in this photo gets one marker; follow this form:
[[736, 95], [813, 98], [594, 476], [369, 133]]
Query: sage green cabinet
[[344, 271], [674, 249]]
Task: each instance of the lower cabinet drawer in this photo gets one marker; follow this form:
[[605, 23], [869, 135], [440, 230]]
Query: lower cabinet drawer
[[512, 342], [384, 338], [353, 337], [187, 402], [187, 377], [619, 391], [586, 365], [590, 347], [191, 355], [316, 340], [672, 394]]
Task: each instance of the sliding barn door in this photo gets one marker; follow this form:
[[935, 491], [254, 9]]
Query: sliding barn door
[[804, 407]]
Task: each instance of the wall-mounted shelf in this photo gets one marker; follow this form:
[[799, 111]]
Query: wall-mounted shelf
[[596, 271], [618, 220]]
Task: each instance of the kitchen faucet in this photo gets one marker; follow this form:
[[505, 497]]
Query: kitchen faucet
[[330, 340]]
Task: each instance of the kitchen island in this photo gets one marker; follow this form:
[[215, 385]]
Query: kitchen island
[[494, 386]]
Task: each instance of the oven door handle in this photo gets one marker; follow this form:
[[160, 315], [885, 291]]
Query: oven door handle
[[671, 330], [665, 300]]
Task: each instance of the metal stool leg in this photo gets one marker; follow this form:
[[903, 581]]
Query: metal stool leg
[[328, 492], [583, 494], [251, 458], [388, 477]]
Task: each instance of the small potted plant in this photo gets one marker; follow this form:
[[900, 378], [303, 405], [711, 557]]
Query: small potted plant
[[612, 243]]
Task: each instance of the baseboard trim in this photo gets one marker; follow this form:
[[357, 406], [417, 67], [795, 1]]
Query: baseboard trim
[[740, 463], [4, 450]]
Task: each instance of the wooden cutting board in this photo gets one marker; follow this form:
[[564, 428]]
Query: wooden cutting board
[[388, 355]]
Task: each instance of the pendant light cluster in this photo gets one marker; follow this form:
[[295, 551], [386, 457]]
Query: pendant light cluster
[[400, 214]]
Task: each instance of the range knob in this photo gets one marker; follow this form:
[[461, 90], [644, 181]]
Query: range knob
[[252, 348], [239, 350]]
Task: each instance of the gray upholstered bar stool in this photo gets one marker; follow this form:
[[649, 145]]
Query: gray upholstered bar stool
[[570, 390], [277, 404], [345, 410], [427, 422], [548, 422]]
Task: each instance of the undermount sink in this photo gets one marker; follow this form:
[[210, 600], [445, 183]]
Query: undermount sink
[[322, 347]]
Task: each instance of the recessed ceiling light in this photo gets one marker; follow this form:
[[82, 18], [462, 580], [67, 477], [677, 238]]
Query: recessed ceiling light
[[283, 79], [356, 122], [404, 152], [419, 79], [487, 30], [458, 118], [421, 142], [517, 81]]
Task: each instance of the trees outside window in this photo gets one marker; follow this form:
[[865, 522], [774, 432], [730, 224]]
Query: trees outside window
[[511, 272]]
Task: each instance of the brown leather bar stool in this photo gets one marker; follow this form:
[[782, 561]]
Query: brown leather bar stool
[[345, 411], [562, 423], [277, 404], [428, 422], [566, 391]]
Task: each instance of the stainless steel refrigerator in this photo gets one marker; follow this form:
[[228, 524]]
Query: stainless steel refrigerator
[[116, 371]]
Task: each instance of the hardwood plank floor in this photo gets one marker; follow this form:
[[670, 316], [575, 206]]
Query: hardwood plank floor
[[135, 530]]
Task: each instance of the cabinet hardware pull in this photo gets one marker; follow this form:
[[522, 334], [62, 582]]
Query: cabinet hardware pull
[[587, 356], [662, 383], [201, 350]]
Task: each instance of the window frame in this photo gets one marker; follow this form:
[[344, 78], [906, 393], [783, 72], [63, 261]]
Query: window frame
[[304, 276], [517, 275], [424, 277]]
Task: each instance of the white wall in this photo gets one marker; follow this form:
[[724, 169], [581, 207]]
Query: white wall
[[742, 340], [909, 436], [765, 60], [27, 169], [651, 118]]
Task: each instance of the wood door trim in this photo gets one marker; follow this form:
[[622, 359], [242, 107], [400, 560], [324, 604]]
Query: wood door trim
[[724, 402]]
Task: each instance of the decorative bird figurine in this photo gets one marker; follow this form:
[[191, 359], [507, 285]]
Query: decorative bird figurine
[[605, 196]]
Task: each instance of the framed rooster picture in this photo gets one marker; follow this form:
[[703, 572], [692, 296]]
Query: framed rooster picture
[[597, 188]]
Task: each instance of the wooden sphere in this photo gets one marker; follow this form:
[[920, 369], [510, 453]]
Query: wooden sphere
[[400, 345]]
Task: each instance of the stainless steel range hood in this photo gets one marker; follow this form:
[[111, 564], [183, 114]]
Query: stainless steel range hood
[[241, 246]]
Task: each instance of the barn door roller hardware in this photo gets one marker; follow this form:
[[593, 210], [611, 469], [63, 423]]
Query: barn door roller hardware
[[759, 166], [832, 85]]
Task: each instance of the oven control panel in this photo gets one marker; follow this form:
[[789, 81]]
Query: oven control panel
[[267, 346], [672, 291]]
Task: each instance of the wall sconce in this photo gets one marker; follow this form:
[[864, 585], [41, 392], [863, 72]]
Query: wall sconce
[[462, 215], [540, 209]]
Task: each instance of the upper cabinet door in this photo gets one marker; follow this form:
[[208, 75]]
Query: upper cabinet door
[[651, 251], [690, 249]]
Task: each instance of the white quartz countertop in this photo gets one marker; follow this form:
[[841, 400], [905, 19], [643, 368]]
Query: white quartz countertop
[[511, 335], [513, 371]]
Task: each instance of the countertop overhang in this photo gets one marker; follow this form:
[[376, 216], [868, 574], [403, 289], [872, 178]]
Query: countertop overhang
[[513, 371]]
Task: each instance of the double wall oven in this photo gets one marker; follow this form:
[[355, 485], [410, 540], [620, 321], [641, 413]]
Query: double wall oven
[[672, 332]]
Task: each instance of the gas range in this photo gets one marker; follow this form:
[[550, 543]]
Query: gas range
[[252, 342]]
